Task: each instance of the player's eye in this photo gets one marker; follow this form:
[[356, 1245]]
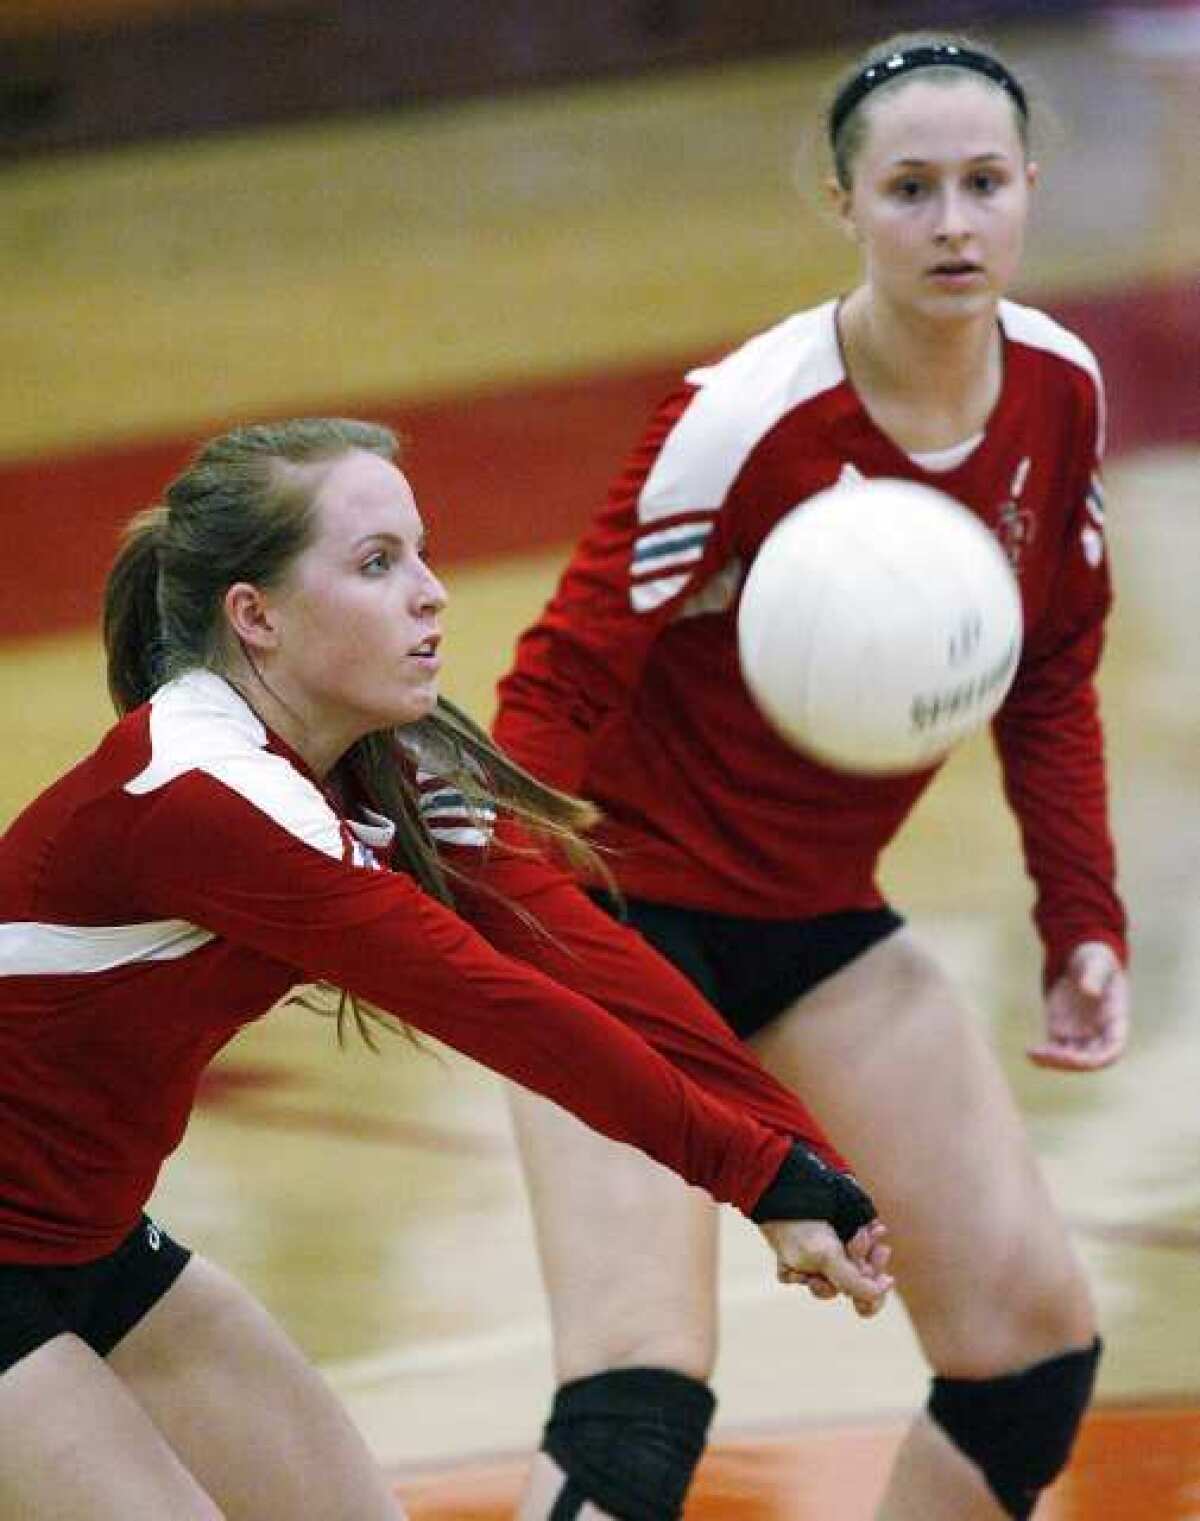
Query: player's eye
[[985, 181], [910, 188]]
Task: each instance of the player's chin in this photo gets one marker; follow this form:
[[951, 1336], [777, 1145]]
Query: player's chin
[[950, 305], [416, 703]]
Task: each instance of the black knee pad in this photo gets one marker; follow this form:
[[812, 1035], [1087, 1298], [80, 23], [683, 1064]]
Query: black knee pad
[[629, 1441], [1018, 1429]]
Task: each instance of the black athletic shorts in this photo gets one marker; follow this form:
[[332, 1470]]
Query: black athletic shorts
[[751, 970], [99, 1301]]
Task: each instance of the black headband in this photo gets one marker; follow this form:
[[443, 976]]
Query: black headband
[[944, 55]]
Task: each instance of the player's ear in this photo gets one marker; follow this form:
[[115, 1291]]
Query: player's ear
[[250, 616], [838, 199]]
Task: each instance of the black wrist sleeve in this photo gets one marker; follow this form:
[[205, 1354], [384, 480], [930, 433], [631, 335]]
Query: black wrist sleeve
[[804, 1188]]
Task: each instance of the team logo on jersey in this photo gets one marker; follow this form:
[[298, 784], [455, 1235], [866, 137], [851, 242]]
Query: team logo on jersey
[[1016, 526]]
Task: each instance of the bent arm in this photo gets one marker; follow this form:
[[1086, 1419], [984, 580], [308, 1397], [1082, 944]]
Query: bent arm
[[651, 549], [1051, 747]]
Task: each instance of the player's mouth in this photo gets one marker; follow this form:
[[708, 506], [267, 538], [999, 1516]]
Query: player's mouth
[[956, 272], [426, 653]]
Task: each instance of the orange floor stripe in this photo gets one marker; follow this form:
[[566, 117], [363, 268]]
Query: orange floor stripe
[[1133, 1463]]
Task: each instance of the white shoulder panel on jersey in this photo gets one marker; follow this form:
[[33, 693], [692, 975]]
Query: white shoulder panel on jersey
[[199, 723], [45, 950], [1027, 325], [740, 399]]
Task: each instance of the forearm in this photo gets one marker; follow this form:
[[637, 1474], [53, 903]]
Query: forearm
[[1055, 778], [581, 947]]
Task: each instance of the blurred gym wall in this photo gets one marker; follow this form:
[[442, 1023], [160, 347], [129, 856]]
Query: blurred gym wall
[[78, 73]]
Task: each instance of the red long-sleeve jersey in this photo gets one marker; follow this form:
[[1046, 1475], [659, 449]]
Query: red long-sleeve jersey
[[628, 691], [180, 880]]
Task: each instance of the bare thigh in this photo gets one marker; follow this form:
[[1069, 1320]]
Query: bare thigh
[[628, 1250], [895, 1066], [74, 1442], [251, 1419]]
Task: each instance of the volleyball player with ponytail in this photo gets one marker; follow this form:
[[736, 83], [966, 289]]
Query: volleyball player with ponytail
[[273, 647]]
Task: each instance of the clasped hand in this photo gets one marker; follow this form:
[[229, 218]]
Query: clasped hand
[[809, 1252]]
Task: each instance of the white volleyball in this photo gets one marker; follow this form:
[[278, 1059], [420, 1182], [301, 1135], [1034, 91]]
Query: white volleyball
[[880, 623]]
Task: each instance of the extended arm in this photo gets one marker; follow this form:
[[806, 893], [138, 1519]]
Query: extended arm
[[214, 859]]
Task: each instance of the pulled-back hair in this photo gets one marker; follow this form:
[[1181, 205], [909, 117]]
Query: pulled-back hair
[[242, 510], [848, 139]]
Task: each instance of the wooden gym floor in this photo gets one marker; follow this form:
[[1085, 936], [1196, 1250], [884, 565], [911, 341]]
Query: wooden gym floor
[[514, 282]]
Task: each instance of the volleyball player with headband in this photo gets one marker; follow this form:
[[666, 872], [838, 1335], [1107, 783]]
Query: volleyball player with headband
[[755, 871]]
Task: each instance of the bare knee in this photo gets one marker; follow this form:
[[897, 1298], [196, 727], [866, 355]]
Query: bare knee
[[1050, 1312], [1027, 1305], [630, 1329]]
